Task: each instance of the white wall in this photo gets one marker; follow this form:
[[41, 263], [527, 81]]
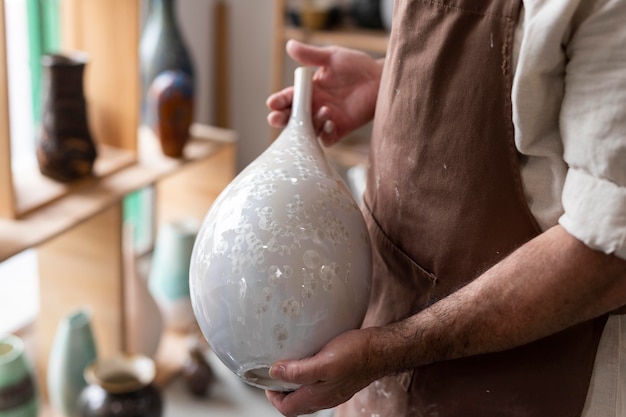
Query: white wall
[[251, 25]]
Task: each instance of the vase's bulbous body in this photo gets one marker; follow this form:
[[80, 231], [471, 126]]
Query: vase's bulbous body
[[282, 262]]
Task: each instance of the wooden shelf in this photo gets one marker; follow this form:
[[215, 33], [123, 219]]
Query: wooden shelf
[[61, 207], [367, 40], [34, 190]]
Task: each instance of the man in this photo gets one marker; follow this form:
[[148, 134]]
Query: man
[[495, 201]]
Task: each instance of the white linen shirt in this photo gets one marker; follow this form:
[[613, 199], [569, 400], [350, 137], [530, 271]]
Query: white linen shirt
[[569, 112]]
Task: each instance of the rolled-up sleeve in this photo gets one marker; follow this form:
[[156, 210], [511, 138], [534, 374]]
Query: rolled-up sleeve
[[593, 129], [595, 212]]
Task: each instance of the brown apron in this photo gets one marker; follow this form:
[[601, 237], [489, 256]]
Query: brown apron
[[445, 202]]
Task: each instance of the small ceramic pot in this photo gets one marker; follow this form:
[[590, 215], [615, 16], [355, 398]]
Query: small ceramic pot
[[121, 386], [18, 396]]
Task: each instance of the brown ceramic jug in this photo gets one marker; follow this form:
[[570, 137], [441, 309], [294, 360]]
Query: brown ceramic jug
[[65, 148]]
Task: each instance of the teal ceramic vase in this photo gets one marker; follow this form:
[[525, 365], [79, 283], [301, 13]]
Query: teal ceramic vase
[[73, 349], [161, 47], [18, 394], [168, 278]]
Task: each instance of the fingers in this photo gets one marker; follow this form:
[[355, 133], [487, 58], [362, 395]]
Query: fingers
[[303, 372], [325, 126], [278, 119], [293, 404], [280, 105], [280, 100], [308, 55]]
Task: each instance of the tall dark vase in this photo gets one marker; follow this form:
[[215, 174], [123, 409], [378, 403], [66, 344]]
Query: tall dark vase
[[161, 48], [65, 149]]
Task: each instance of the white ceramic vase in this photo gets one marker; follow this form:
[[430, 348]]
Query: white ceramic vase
[[143, 321], [282, 262]]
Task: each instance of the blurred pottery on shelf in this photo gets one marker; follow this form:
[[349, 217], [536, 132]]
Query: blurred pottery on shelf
[[282, 262], [143, 323], [121, 386], [73, 349], [386, 13], [18, 392], [168, 279], [171, 105], [161, 48], [65, 147], [367, 13], [196, 372], [314, 14]]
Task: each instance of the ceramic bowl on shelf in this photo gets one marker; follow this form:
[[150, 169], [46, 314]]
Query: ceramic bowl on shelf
[[282, 262], [314, 14], [120, 386]]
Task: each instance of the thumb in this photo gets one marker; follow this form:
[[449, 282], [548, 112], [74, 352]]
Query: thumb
[[308, 55], [303, 372]]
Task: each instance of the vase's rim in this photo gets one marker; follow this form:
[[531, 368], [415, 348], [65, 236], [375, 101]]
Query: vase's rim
[[78, 318], [11, 347], [66, 59], [138, 371], [258, 375]]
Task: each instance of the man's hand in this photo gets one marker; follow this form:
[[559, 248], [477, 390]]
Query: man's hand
[[347, 364], [345, 88], [550, 283]]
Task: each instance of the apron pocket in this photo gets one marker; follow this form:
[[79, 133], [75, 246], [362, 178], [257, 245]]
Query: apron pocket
[[400, 287]]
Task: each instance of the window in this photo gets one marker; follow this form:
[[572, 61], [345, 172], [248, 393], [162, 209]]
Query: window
[[32, 29]]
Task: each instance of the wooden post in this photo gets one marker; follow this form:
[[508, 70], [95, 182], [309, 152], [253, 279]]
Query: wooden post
[[222, 103], [109, 32], [7, 193], [83, 267], [278, 53]]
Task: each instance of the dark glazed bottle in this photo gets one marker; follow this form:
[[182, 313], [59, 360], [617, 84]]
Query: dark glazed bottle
[[162, 47], [121, 387], [65, 147]]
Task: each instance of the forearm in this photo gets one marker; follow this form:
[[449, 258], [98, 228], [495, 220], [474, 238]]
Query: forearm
[[547, 285]]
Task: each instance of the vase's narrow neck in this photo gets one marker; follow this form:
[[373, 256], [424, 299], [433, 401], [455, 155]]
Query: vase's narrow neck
[[303, 95], [165, 9]]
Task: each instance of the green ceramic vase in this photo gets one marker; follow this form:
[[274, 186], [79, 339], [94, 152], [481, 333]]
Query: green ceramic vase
[[72, 351], [169, 272], [18, 395]]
